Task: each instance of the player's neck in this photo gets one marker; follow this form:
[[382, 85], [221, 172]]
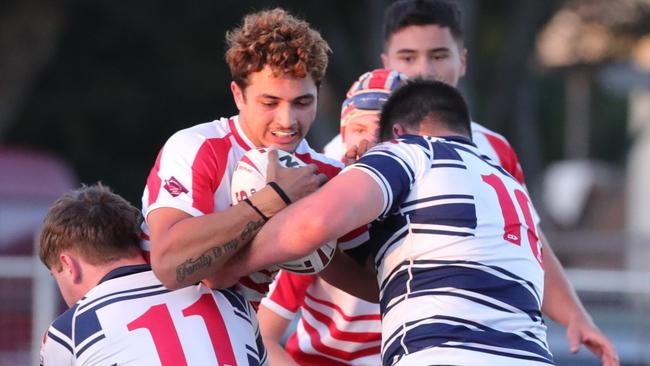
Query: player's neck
[[98, 272], [438, 131]]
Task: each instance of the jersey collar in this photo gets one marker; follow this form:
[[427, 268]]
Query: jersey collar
[[125, 271], [460, 139], [455, 138], [239, 134]]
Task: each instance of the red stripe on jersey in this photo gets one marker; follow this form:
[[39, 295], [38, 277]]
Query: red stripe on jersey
[[340, 311], [329, 170], [301, 358], [207, 172], [248, 161], [336, 333], [340, 354], [290, 290], [507, 156], [235, 133], [153, 180]]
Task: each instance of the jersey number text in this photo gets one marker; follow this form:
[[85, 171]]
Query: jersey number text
[[512, 223], [160, 325]]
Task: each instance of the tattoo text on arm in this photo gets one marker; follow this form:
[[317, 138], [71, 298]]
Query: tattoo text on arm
[[205, 260]]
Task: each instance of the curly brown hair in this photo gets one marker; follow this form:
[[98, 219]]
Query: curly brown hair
[[96, 223], [278, 39]]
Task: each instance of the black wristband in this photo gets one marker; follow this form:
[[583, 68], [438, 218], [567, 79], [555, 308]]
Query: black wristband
[[280, 192], [256, 209]]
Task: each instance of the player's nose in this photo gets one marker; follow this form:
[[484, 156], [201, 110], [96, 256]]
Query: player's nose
[[423, 68], [286, 117]]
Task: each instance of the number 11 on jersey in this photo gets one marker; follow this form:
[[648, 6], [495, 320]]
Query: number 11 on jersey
[[160, 325]]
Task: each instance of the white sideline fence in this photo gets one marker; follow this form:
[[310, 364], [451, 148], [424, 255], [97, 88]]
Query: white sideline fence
[[610, 281], [44, 294]]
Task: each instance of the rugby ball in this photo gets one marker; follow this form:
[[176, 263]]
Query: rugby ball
[[250, 176]]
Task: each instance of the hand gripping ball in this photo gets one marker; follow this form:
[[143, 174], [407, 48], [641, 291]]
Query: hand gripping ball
[[250, 176]]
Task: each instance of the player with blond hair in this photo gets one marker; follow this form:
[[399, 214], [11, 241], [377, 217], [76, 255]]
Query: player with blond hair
[[120, 313]]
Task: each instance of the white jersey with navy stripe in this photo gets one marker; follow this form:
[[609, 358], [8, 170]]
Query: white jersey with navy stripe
[[458, 259], [131, 319]]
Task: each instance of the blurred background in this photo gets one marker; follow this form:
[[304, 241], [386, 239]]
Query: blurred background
[[90, 91]]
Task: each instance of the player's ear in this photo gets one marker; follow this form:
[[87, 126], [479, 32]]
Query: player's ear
[[71, 266], [384, 60], [398, 130], [463, 61], [237, 94]]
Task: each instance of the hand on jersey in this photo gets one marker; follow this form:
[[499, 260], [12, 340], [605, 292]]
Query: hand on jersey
[[355, 152], [295, 182]]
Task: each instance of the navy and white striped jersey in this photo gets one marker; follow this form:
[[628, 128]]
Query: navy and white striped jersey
[[131, 319], [458, 259]]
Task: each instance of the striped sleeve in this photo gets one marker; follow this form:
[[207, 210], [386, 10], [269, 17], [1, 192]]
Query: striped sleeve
[[331, 167], [187, 172], [287, 293], [56, 349], [394, 166]]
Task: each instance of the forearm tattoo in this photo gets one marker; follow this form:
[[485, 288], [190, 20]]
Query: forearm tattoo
[[205, 260]]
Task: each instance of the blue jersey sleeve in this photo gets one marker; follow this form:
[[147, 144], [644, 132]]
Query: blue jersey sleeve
[[394, 166]]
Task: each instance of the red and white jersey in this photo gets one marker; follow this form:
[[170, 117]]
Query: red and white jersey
[[497, 148], [193, 173], [131, 319], [492, 144], [335, 328]]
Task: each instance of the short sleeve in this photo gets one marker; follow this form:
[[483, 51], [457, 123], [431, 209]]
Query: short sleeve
[[287, 293], [56, 349], [394, 166], [187, 173]]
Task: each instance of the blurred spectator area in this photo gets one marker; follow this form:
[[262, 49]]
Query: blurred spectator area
[[29, 182], [583, 207]]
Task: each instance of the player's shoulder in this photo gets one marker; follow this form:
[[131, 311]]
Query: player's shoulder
[[57, 347], [63, 324], [480, 130]]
